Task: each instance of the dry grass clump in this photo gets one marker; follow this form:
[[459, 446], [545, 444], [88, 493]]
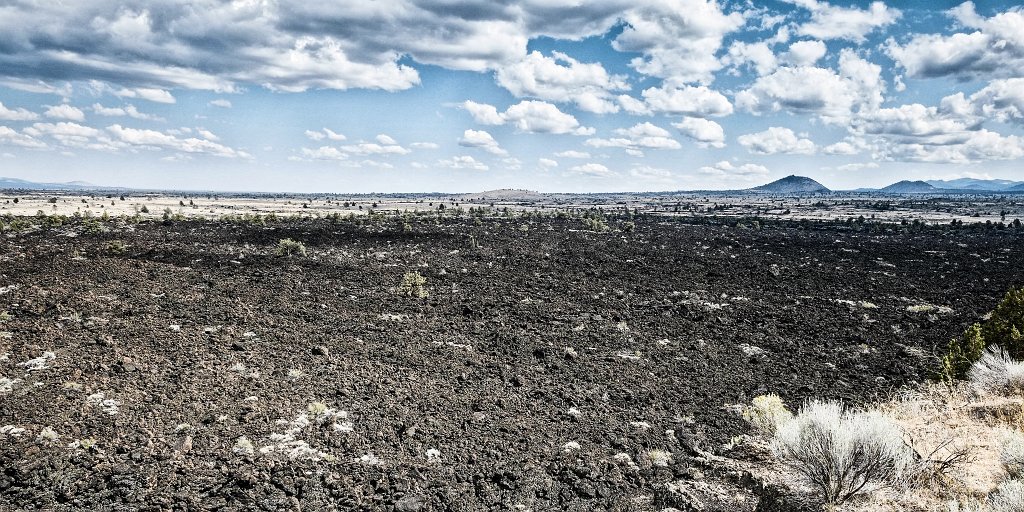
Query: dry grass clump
[[413, 285]]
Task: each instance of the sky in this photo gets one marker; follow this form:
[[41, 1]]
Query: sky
[[358, 96]]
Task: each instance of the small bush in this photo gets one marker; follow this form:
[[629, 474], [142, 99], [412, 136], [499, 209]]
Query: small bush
[[116, 247], [413, 285], [841, 453], [962, 353], [289, 247], [996, 372], [598, 225], [1011, 454], [766, 413], [1006, 325]]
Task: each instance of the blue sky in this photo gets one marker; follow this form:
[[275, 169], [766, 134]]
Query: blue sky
[[549, 95]]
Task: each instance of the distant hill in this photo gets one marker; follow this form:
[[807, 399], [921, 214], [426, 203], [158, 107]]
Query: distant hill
[[792, 185], [1016, 188], [14, 183], [909, 187], [974, 184]]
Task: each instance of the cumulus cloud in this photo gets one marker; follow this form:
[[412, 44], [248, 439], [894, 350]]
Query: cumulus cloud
[[547, 163], [850, 23], [483, 140], [776, 139], [833, 96], [679, 39], [220, 103], [692, 101], [805, 53], [528, 116], [424, 145], [65, 111], [561, 78], [705, 132], [591, 169], [125, 111], [726, 168], [637, 138], [155, 139], [759, 54], [463, 162], [290, 45], [1001, 100], [571, 153], [146, 93], [10, 137], [16, 114], [995, 48], [325, 133]]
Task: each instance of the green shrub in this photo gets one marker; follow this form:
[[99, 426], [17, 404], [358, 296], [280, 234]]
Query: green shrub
[[413, 285], [962, 353], [116, 247], [289, 247], [1003, 329], [1006, 325]]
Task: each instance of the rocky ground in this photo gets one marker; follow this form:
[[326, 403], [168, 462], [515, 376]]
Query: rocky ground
[[189, 367]]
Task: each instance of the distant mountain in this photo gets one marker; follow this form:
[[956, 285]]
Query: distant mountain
[[792, 185], [909, 187], [14, 183], [1016, 188], [974, 184]]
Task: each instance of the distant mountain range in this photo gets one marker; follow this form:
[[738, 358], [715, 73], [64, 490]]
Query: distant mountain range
[[16, 184], [976, 184]]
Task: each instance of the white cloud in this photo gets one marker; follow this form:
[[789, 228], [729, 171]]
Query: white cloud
[[155, 139], [65, 111], [995, 49], [463, 162], [220, 103], [975, 146], [573, 154], [424, 145], [125, 111], [853, 24], [726, 168], [483, 140], [561, 78], [17, 114], [638, 138], [691, 101], [759, 54], [857, 166], [372, 148], [774, 140], [848, 146], [324, 153], [325, 133], [591, 169], [10, 137], [679, 39], [145, 93], [483, 113], [633, 105], [805, 53], [385, 139], [1001, 100], [653, 174], [528, 116], [705, 132], [833, 96], [546, 163]]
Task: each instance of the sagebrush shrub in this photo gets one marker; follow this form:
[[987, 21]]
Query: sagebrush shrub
[[996, 372], [766, 413], [840, 452], [1011, 453], [289, 247], [413, 285], [1009, 497]]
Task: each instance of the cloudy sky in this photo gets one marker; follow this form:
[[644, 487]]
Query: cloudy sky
[[550, 95]]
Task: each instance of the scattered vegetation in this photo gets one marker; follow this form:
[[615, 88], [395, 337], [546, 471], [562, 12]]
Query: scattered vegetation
[[413, 285], [116, 247], [1002, 329], [842, 452], [289, 247]]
